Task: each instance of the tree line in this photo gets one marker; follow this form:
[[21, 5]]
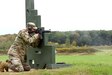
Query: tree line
[[68, 38], [82, 38]]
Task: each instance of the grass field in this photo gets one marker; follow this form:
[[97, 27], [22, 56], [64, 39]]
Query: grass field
[[99, 63]]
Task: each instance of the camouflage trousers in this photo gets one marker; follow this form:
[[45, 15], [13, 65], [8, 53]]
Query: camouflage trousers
[[16, 64]]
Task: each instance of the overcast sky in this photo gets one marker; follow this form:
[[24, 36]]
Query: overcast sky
[[61, 15]]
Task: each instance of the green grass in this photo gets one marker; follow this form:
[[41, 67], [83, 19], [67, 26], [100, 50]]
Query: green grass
[[99, 63], [89, 64], [86, 59], [3, 57]]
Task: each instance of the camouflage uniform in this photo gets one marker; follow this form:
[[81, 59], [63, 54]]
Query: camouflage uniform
[[18, 48]]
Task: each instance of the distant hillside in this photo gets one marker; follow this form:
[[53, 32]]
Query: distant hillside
[[6, 41]]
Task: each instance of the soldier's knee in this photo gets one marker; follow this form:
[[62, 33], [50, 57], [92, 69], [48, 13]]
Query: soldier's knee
[[16, 68]]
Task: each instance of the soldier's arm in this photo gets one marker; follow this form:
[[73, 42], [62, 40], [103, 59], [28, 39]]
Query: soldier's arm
[[27, 38]]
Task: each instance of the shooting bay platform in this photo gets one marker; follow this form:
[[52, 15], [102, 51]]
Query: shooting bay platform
[[44, 56]]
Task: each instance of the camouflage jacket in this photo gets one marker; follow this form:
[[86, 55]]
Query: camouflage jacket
[[22, 41]]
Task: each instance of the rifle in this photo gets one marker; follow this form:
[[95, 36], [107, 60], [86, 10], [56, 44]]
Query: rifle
[[42, 32]]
